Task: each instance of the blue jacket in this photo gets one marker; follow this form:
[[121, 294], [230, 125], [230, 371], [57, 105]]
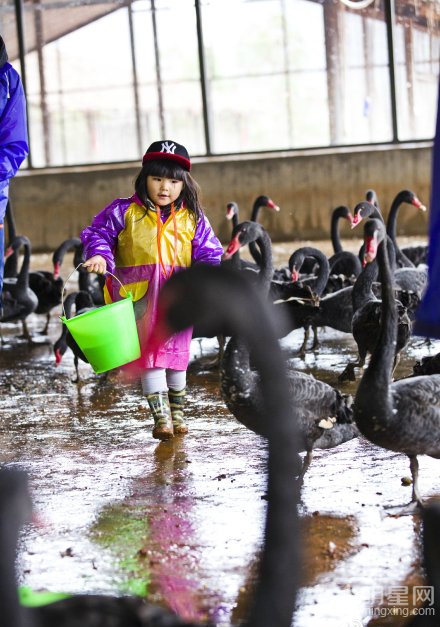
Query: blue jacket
[[427, 321], [13, 130]]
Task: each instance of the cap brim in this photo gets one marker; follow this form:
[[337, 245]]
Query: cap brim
[[153, 156]]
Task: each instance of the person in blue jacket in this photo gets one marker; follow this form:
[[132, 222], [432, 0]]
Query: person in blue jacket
[[427, 322], [13, 138]]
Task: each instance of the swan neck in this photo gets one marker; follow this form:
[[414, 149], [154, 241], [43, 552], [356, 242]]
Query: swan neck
[[23, 275], [266, 268], [392, 217], [334, 233], [362, 289], [323, 274], [382, 360]]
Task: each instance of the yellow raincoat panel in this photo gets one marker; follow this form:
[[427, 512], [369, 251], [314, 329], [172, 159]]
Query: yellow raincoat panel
[[137, 246]]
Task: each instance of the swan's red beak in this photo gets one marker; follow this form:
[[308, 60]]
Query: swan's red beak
[[370, 249], [295, 275], [272, 205], [416, 202], [56, 270], [58, 357], [9, 251], [234, 245], [356, 219]]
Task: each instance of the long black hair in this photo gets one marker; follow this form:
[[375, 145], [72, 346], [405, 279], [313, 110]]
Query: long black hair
[[190, 193]]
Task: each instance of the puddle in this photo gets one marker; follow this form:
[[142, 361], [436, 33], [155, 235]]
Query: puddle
[[183, 520]]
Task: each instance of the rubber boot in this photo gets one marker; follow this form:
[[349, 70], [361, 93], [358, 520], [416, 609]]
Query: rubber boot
[[177, 403], [160, 408]]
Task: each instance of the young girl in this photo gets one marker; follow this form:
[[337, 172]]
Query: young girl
[[142, 240]]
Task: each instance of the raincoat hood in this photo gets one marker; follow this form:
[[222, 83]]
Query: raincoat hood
[[3, 53]]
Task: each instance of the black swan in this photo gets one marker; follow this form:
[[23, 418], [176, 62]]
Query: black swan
[[11, 263], [83, 302], [294, 302], [404, 415], [363, 210], [235, 261], [367, 312], [249, 232], [371, 210], [300, 284], [416, 253], [406, 277], [334, 310], [221, 296], [318, 280], [87, 281], [317, 283], [330, 275], [345, 267], [48, 290], [232, 213], [409, 197], [46, 285], [310, 264], [427, 365], [72, 243], [341, 212], [325, 414], [90, 282], [260, 202], [19, 301], [371, 197]]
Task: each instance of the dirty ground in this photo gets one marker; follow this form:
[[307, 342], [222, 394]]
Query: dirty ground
[[182, 521]]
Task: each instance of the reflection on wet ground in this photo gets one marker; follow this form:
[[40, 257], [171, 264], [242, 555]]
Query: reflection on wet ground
[[182, 521]]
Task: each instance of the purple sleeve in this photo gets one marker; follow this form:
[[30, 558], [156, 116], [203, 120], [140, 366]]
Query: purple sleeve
[[13, 130], [206, 247], [100, 238]]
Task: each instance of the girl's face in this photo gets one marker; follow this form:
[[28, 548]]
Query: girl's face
[[163, 191]]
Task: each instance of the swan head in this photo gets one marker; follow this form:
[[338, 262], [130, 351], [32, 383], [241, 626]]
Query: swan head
[[374, 233], [362, 210], [244, 233], [231, 210], [265, 201]]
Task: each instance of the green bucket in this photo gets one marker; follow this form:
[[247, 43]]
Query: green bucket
[[106, 335]]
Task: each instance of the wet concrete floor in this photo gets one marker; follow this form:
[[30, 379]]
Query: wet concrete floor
[[182, 521]]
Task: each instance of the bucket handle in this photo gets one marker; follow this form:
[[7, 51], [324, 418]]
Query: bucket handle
[[74, 270]]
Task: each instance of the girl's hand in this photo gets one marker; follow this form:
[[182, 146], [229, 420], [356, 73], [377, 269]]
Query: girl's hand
[[96, 264]]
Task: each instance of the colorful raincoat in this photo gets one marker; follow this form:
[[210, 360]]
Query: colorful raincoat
[[143, 252]]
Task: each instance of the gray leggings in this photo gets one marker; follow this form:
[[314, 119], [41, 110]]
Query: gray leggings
[[160, 379]]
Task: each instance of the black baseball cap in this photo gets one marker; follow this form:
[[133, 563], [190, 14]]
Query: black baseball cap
[[168, 149]]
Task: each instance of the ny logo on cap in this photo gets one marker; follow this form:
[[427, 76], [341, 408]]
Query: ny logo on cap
[[168, 147]]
